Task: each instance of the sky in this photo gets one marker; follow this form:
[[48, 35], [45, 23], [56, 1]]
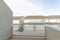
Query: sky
[[34, 7]]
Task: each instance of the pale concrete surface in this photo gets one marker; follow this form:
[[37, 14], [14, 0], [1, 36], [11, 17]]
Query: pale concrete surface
[[27, 38], [52, 33]]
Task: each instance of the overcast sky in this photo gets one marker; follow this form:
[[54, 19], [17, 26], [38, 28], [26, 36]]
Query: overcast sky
[[34, 7]]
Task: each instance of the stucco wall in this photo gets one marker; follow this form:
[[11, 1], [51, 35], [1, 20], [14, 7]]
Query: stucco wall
[[5, 21], [0, 1], [52, 33]]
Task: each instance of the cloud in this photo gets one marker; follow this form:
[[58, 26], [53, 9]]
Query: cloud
[[30, 7], [23, 7]]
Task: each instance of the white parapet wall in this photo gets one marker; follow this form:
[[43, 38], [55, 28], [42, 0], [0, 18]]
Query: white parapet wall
[[0, 1], [52, 33], [5, 21]]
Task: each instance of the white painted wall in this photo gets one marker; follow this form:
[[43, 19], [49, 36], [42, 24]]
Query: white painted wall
[[0, 1], [5, 21]]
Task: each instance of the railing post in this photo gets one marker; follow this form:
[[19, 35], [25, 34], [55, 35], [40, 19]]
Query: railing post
[[21, 24]]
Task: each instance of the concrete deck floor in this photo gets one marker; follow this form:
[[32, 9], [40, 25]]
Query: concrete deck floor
[[26, 38]]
